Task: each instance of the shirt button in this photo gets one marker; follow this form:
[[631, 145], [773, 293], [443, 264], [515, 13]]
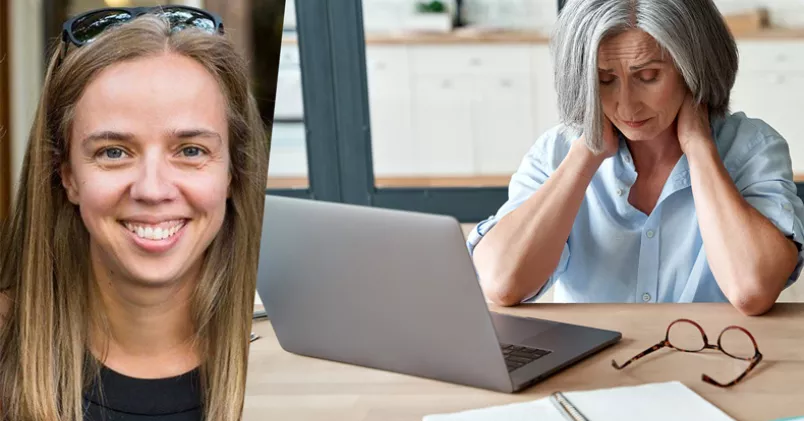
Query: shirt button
[[619, 192], [787, 207], [627, 159], [649, 233], [646, 297]]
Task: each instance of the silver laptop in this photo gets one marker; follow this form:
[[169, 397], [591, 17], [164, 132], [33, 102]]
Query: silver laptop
[[397, 291]]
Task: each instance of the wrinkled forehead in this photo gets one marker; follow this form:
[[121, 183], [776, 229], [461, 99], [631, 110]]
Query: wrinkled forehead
[[631, 46]]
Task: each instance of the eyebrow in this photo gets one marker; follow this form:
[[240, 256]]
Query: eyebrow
[[192, 133], [107, 135], [637, 67], [125, 137]]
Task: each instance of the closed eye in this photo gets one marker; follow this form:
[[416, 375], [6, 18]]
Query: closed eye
[[648, 75], [606, 78]]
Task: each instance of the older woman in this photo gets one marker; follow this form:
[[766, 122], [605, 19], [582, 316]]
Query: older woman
[[128, 269], [651, 191]]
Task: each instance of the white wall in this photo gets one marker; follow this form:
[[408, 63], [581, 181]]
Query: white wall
[[26, 70]]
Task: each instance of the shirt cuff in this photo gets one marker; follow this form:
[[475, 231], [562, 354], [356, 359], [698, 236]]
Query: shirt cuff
[[477, 233]]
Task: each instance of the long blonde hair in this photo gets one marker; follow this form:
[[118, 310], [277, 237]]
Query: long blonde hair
[[44, 248]]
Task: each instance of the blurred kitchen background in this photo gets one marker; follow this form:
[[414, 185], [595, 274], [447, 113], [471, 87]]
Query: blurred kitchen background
[[457, 101]]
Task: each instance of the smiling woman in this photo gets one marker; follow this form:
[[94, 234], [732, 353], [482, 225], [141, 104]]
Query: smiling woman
[[126, 298]]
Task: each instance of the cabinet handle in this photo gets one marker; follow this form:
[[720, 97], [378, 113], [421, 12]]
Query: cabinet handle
[[380, 65], [781, 57], [475, 62], [446, 84], [506, 83], [778, 79]]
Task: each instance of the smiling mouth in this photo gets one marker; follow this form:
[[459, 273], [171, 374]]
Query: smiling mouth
[[155, 232], [636, 123]]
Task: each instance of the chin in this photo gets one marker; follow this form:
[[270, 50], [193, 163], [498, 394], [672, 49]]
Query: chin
[[638, 135], [165, 274]]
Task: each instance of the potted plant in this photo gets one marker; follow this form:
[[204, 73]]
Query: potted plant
[[431, 16]]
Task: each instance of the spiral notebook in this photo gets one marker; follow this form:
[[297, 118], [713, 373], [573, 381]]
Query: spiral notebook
[[655, 401]]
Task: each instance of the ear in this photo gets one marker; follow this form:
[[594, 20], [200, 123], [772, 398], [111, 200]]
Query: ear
[[69, 183]]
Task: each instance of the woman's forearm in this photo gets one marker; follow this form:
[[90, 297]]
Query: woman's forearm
[[516, 257], [750, 258]]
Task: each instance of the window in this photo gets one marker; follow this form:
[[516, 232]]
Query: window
[[344, 164]]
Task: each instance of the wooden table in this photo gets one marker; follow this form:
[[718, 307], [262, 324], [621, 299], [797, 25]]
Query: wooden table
[[283, 386]]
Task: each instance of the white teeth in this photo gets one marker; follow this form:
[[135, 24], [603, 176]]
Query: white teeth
[[155, 234]]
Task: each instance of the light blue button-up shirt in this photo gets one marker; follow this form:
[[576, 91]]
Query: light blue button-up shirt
[[617, 253]]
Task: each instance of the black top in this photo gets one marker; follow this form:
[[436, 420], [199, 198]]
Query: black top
[[132, 399]]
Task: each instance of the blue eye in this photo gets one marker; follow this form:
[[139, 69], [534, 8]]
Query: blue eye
[[192, 151], [112, 153]]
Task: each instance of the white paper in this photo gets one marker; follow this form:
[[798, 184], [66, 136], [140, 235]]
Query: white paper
[[541, 410], [669, 401]]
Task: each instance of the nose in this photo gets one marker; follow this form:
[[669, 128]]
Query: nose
[[153, 183], [629, 102]]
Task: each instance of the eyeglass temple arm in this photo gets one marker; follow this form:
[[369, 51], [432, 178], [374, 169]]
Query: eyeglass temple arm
[[658, 346], [753, 364]]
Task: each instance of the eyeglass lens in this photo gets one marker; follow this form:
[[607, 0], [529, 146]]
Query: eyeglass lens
[[89, 27], [734, 342], [182, 18], [686, 337], [737, 343]]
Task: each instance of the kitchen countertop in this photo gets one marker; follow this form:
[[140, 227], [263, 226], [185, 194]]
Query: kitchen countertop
[[474, 36]]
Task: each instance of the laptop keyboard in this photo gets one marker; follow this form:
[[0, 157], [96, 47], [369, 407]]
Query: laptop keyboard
[[516, 356]]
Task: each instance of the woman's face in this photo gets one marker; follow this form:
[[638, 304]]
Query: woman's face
[[640, 89], [149, 167]]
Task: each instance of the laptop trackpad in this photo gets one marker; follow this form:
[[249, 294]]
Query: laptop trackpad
[[517, 330]]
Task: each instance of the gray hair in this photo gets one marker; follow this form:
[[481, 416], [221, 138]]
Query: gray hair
[[693, 32]]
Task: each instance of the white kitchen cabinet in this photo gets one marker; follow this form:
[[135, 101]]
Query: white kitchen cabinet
[[769, 86], [503, 123], [442, 122], [475, 59], [475, 109], [473, 113], [394, 151], [457, 110], [771, 55], [774, 97]]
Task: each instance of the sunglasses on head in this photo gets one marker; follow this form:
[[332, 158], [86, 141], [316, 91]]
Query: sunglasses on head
[[84, 28]]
